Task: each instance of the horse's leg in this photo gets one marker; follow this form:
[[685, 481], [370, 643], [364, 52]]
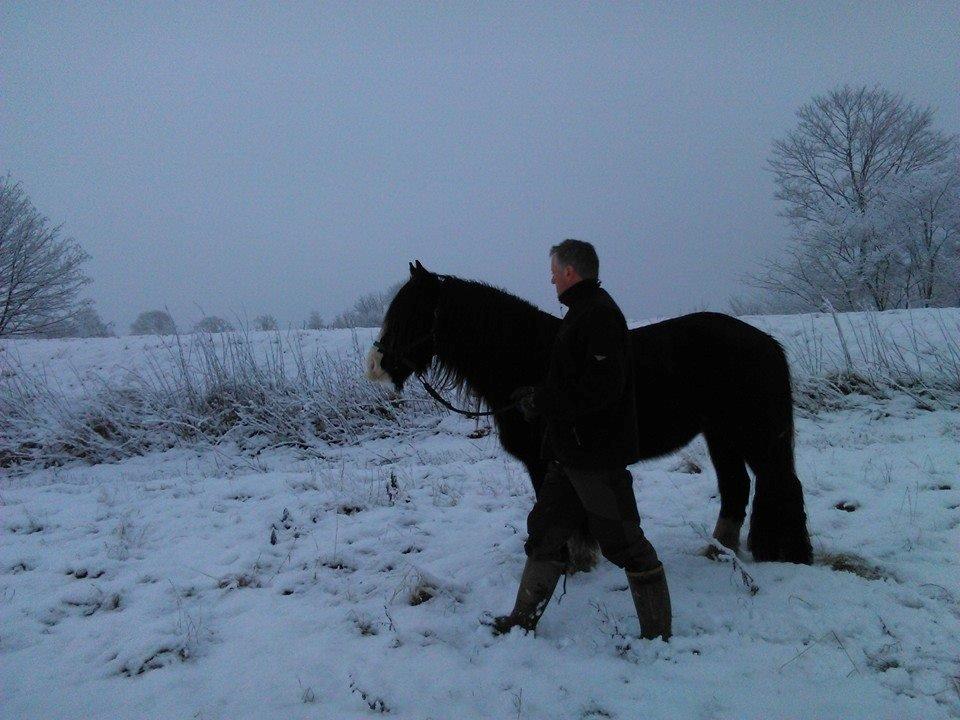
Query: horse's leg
[[778, 525], [734, 486], [583, 549], [537, 469]]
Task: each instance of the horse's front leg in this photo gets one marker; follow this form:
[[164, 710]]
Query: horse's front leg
[[727, 533], [583, 550], [734, 486]]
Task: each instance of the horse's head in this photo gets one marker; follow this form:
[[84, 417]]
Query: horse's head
[[406, 344]]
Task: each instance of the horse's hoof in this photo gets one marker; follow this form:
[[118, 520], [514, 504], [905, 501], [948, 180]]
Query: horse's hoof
[[712, 552]]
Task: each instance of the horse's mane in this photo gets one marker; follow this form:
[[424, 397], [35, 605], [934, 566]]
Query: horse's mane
[[487, 338]]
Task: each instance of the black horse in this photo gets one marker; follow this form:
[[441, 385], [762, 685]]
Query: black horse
[[703, 373]]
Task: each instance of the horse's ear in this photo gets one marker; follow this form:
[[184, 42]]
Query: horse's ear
[[418, 269]]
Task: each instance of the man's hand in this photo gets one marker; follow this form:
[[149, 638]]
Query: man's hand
[[523, 397]]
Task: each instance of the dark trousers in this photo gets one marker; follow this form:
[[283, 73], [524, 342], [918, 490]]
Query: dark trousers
[[604, 500]]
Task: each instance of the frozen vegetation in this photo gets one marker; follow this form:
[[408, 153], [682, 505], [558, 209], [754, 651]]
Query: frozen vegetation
[[237, 525]]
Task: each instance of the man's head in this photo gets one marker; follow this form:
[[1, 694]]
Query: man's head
[[572, 261]]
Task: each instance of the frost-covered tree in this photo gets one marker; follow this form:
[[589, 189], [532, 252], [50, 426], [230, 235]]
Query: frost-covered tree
[[86, 323], [846, 144], [368, 310], [314, 322], [265, 322], [154, 322], [842, 262], [834, 174], [920, 215], [40, 271], [212, 324]]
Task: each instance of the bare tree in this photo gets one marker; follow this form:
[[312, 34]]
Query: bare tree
[[846, 143], [833, 173], [86, 323], [40, 272], [153, 322]]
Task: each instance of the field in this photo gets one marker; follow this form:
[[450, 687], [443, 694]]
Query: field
[[224, 557]]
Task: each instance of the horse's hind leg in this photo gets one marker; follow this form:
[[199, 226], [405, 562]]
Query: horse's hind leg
[[778, 522], [778, 525], [734, 486]]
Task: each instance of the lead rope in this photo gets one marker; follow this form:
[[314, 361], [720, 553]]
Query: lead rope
[[468, 413], [440, 399]]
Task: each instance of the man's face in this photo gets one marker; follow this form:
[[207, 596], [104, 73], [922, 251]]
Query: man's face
[[562, 276]]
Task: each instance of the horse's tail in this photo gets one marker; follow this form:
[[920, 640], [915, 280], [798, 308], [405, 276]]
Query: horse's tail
[[778, 524]]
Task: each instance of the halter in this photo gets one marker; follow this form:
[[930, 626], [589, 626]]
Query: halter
[[432, 335]]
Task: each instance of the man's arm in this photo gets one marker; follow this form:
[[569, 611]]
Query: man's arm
[[603, 377]]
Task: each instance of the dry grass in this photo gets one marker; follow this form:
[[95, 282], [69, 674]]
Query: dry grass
[[843, 562], [200, 389]]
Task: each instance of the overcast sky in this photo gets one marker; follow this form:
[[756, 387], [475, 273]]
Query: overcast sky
[[268, 158]]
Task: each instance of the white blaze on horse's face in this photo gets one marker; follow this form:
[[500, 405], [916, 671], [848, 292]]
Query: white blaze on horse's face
[[374, 370]]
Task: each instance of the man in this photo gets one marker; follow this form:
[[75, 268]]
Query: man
[[588, 410]]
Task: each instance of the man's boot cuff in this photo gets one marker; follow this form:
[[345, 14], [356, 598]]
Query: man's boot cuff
[[645, 577]]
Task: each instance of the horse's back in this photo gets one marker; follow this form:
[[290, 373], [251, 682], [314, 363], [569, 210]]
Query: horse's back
[[701, 369], [708, 343]]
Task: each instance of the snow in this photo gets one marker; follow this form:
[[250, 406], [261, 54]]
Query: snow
[[351, 583]]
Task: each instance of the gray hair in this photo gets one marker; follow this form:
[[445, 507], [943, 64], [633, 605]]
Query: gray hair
[[580, 255]]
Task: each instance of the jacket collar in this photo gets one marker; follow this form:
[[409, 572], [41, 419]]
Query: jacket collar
[[579, 292]]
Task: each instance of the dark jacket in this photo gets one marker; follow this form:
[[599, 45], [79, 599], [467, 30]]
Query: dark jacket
[[588, 400]]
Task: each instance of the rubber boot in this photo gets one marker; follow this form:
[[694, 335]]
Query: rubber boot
[[652, 600], [537, 584]]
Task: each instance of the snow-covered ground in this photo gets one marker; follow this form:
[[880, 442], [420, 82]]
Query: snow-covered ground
[[347, 582]]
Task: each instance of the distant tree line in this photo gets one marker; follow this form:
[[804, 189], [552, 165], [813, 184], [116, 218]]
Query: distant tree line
[[367, 311]]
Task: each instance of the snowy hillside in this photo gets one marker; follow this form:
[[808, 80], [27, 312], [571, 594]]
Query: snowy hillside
[[348, 578]]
